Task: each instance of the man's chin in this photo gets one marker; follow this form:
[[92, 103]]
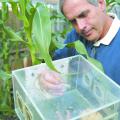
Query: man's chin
[[90, 38]]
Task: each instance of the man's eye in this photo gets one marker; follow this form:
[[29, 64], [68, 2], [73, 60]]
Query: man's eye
[[82, 15], [73, 21]]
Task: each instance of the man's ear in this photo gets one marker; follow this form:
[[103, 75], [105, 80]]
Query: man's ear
[[102, 5]]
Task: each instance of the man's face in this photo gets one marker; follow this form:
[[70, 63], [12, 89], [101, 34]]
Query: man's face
[[87, 19]]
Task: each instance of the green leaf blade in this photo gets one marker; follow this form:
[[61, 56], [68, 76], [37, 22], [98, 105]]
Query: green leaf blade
[[42, 33]]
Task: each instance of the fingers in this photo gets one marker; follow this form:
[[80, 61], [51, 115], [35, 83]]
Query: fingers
[[51, 77], [52, 82], [48, 85]]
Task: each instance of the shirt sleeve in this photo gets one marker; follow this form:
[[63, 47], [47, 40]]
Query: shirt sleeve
[[67, 52]]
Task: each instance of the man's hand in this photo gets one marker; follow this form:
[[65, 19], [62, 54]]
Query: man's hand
[[52, 82]]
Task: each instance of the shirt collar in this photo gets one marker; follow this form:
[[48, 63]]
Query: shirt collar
[[111, 33]]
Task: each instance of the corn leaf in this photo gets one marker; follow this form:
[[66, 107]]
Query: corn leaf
[[80, 48], [42, 33], [13, 36], [96, 63], [4, 11]]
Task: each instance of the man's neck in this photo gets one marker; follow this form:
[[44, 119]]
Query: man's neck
[[108, 23]]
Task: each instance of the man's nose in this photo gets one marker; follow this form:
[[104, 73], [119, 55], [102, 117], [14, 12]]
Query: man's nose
[[81, 24]]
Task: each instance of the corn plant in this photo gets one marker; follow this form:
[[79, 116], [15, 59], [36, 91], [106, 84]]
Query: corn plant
[[6, 46], [34, 18], [36, 37]]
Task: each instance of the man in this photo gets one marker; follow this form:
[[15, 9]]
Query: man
[[99, 32]]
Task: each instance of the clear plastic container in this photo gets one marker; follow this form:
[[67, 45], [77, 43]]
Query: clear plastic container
[[89, 93]]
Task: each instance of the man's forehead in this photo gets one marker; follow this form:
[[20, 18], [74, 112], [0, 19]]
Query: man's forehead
[[74, 10], [73, 4]]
